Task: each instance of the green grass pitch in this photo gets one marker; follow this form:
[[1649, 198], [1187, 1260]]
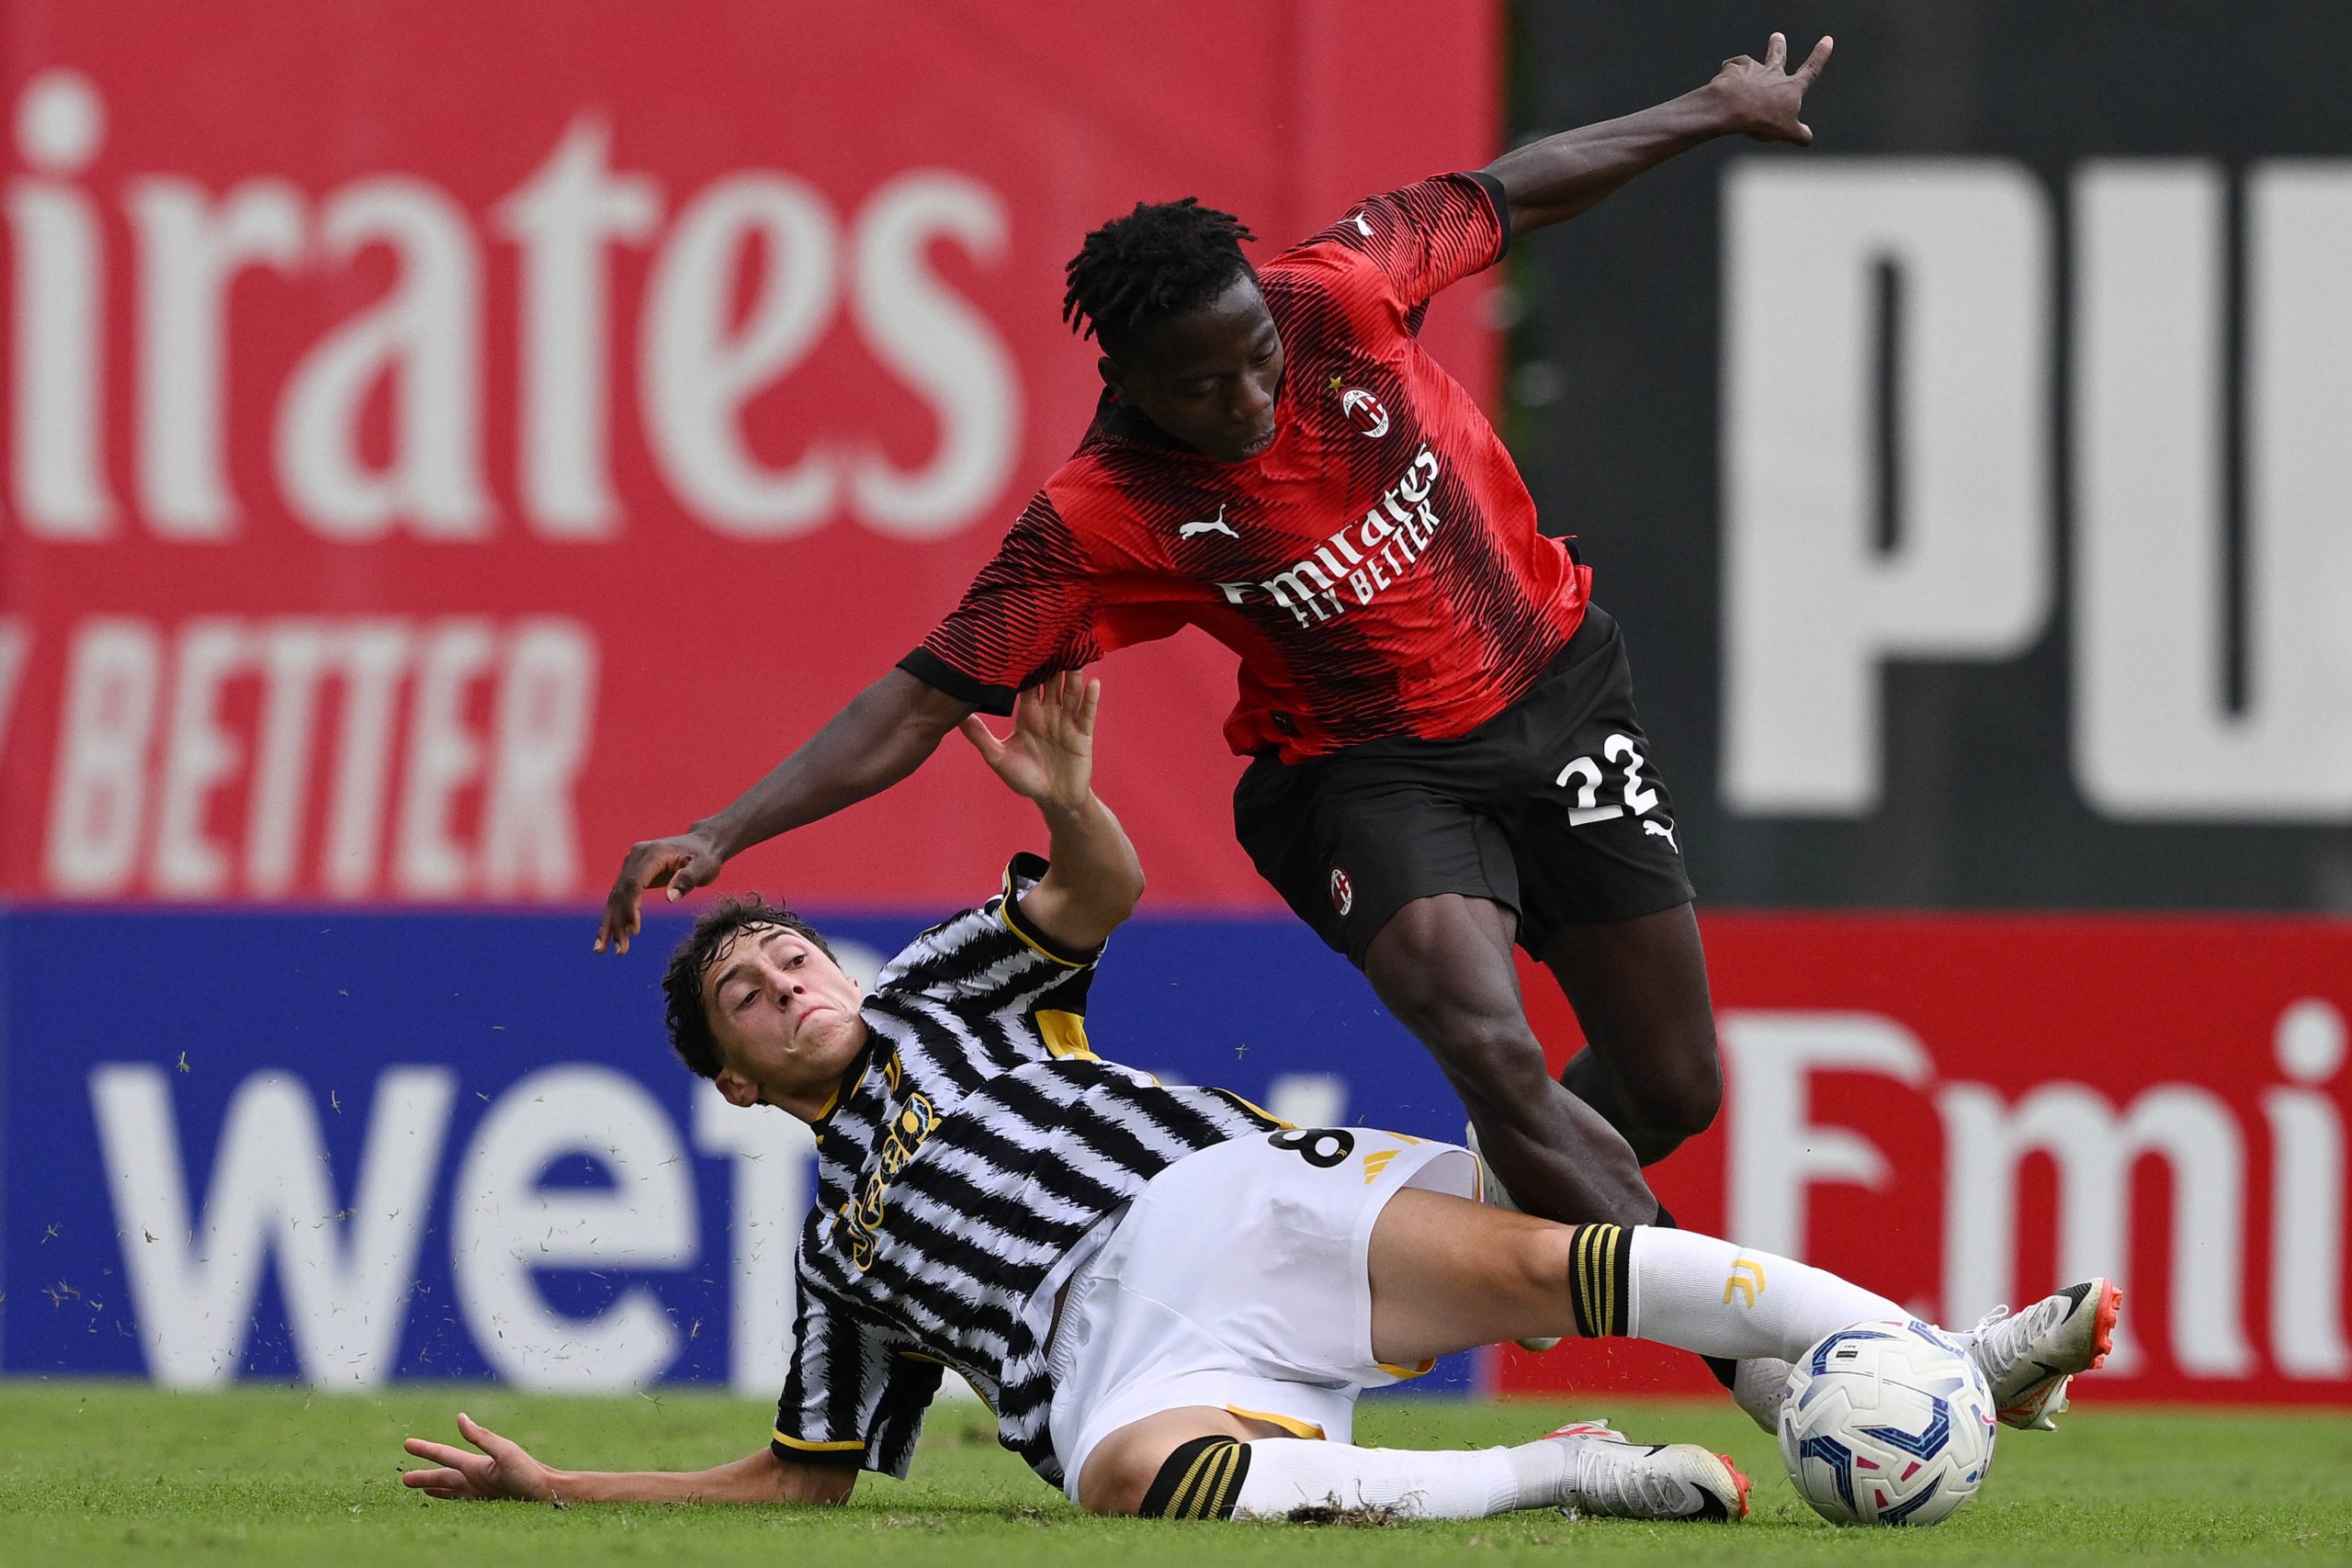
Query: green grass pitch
[[98, 1473]]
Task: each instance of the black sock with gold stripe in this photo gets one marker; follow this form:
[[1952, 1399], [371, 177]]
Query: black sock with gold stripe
[[1202, 1480], [1600, 1263]]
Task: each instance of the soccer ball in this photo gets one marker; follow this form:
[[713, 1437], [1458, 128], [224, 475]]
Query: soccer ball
[[1886, 1424]]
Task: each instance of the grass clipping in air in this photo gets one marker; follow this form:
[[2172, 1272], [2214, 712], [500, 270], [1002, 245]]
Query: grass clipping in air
[[101, 1473]]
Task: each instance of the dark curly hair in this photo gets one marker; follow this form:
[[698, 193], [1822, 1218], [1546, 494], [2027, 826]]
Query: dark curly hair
[[690, 1033], [1163, 259]]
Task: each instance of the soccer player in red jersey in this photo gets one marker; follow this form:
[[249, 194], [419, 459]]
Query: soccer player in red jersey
[[1446, 758]]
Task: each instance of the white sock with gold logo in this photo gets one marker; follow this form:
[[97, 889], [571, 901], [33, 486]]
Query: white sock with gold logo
[[1698, 1293]]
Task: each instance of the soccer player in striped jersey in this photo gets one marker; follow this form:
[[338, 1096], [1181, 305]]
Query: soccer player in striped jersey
[[1445, 755], [1159, 1289]]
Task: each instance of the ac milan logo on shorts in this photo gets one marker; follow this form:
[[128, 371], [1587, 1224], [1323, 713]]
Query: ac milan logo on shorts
[[1364, 411], [1343, 892]]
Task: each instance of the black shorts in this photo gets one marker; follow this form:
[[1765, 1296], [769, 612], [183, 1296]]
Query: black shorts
[[1551, 808]]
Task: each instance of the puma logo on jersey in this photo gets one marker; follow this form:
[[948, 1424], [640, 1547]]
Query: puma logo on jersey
[[1661, 830], [1361, 226], [1216, 525]]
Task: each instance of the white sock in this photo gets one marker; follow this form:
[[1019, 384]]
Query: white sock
[[1287, 1474], [1698, 1293]]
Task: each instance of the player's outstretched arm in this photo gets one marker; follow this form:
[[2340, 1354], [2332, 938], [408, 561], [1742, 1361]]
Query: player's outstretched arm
[[881, 737], [1554, 179], [504, 1472], [1095, 878]]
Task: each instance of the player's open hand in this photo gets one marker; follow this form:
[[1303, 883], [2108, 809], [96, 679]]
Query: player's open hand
[[501, 1471], [682, 865], [1764, 97], [1049, 756]]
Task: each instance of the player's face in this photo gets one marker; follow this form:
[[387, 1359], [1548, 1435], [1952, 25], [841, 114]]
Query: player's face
[[784, 1015], [1209, 378]]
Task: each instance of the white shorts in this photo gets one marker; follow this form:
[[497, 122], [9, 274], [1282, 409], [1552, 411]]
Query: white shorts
[[1239, 1279]]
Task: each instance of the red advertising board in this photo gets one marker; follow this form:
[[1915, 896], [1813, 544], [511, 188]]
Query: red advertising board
[[445, 442], [1968, 1111]]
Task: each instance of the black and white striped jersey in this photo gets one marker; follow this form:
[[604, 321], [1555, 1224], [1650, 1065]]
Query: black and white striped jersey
[[967, 1164]]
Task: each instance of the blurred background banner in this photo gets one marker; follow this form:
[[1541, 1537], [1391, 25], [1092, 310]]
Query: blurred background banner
[[345, 1145], [448, 442], [1969, 1111], [1973, 485], [441, 444], [348, 1145]]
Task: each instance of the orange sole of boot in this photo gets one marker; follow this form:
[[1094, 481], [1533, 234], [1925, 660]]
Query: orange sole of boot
[[2111, 1309], [1739, 1479]]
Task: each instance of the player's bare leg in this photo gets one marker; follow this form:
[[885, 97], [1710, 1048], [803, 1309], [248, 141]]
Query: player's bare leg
[[1445, 1275], [1444, 966], [1639, 988], [1119, 1472], [1448, 1274], [1651, 1065], [1201, 1462]]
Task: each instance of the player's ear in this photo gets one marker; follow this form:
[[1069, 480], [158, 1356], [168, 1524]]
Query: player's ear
[[1113, 377], [735, 1089]]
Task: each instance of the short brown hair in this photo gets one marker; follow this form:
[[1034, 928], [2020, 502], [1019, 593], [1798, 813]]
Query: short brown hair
[[690, 1033]]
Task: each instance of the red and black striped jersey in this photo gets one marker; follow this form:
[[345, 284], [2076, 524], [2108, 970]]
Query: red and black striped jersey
[[1378, 569]]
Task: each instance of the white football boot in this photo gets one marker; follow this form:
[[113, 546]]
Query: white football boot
[[1613, 1479], [2028, 1359]]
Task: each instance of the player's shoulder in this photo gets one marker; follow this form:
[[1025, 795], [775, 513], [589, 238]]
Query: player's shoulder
[[1093, 471], [1331, 279], [1372, 227], [945, 949], [1351, 233], [974, 947], [1317, 264], [1119, 493], [1097, 502], [1329, 300]]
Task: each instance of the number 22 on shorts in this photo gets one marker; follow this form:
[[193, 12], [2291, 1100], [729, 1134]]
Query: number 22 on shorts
[[1637, 796]]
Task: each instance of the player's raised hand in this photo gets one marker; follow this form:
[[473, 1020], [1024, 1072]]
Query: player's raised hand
[[1049, 756], [1764, 97], [681, 864], [501, 1471]]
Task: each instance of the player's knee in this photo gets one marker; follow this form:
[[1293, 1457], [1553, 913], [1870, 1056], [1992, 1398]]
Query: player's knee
[[1117, 1478], [1198, 1479], [1681, 1102], [1497, 1064]]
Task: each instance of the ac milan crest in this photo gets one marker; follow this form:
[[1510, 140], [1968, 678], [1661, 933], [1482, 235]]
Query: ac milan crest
[[1364, 411], [1343, 892]]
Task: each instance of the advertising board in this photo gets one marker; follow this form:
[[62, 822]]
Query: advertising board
[[1968, 1112], [440, 451], [457, 1146]]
